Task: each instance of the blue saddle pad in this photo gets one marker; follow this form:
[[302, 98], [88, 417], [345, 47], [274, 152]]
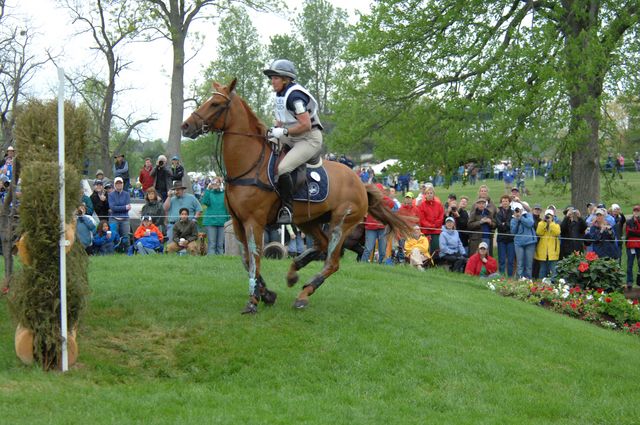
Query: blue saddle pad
[[316, 188]]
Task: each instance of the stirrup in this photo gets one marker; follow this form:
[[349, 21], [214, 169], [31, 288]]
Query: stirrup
[[284, 216]]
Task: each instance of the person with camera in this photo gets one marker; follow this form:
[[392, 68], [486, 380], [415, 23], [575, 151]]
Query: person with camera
[[162, 177], [572, 230], [177, 170], [506, 247], [85, 227], [633, 246], [603, 236], [548, 248], [524, 239]]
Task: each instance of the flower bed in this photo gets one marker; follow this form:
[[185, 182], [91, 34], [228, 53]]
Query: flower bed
[[607, 309]]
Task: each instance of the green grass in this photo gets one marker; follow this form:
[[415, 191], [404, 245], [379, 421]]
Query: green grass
[[162, 342]]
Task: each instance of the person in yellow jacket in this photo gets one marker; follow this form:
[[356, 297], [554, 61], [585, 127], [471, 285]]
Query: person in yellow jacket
[[548, 248], [417, 249]]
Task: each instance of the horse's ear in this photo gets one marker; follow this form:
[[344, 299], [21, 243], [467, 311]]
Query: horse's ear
[[215, 86], [232, 85]]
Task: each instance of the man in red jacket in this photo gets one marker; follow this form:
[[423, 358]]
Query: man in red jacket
[[633, 246], [146, 180], [431, 214], [375, 231], [481, 263], [410, 214]]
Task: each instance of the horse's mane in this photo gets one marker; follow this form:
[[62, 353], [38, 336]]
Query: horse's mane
[[253, 118]]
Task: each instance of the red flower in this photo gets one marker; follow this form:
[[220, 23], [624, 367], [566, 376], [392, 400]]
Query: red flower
[[608, 299], [574, 306], [600, 290], [635, 302], [637, 325], [583, 267], [591, 256]]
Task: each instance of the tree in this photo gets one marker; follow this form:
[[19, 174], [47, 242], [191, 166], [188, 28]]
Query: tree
[[240, 55], [325, 33], [111, 24], [284, 46], [173, 19], [508, 77]]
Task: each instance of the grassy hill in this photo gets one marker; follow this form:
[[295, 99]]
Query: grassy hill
[[162, 342]]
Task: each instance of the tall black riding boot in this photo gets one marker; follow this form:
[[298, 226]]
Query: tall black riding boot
[[285, 188]]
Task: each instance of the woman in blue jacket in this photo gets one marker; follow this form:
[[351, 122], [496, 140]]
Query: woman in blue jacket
[[451, 249], [524, 239]]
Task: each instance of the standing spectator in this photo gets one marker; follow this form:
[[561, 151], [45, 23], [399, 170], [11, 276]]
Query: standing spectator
[[101, 177], [197, 189], [154, 208], [460, 214], [364, 175], [215, 216], [451, 249], [524, 239], [148, 238], [145, 177], [572, 229], [296, 245], [619, 221], [633, 246], [481, 225], [177, 200], [87, 202], [177, 170], [85, 228], [506, 248], [185, 234], [162, 177], [548, 249], [403, 181], [603, 236], [481, 263], [119, 206], [620, 164], [509, 176], [121, 169], [431, 215], [410, 213], [536, 212], [11, 153], [417, 249], [374, 231]]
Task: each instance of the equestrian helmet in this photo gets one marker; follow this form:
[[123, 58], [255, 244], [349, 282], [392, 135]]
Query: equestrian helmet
[[281, 68]]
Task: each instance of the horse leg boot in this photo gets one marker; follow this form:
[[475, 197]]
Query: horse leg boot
[[285, 189]]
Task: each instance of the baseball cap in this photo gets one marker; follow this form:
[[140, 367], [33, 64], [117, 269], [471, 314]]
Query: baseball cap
[[107, 185], [516, 206], [175, 158], [515, 189], [99, 172], [118, 179], [602, 205], [450, 219], [97, 182], [483, 245], [10, 148], [615, 206], [549, 211], [537, 206], [146, 217], [408, 195], [636, 207], [601, 211]]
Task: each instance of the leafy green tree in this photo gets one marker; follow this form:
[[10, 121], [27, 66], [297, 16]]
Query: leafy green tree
[[449, 81], [284, 46]]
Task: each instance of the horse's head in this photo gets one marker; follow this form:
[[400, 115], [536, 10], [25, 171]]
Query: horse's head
[[211, 114]]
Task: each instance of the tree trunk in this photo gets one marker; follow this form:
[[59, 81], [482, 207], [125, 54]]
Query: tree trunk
[[585, 170], [177, 95]]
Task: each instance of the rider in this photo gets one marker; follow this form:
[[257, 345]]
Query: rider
[[297, 126]]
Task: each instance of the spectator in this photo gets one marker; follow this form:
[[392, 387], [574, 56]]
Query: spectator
[[548, 248], [121, 169], [460, 214], [105, 239], [633, 246], [11, 153], [215, 216], [481, 263], [509, 176], [619, 220], [603, 236], [409, 213], [481, 225], [536, 211], [148, 237], [119, 206], [506, 247], [572, 229], [177, 170], [374, 231], [185, 234], [145, 177], [417, 249], [178, 199], [162, 177], [524, 239], [451, 249], [153, 208], [100, 176], [431, 215], [85, 228], [296, 240], [87, 202], [197, 189]]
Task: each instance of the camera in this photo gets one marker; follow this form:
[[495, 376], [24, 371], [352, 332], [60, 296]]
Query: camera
[[161, 163], [517, 210], [454, 208], [547, 217], [6, 184]]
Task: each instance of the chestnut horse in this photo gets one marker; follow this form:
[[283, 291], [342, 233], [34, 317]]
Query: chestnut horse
[[253, 203]]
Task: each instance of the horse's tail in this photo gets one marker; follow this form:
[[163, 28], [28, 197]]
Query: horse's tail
[[383, 214]]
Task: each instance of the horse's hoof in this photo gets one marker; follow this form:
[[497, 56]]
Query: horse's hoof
[[299, 304], [250, 308], [269, 297], [292, 279]]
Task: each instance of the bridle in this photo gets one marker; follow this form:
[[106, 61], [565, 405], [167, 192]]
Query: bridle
[[204, 128]]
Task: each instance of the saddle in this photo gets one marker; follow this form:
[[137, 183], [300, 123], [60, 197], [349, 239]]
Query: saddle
[[310, 180]]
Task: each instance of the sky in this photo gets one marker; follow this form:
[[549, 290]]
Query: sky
[[148, 78]]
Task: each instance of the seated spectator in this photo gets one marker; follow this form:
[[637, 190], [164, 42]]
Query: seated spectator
[[417, 249], [185, 234], [481, 263], [105, 239], [148, 238], [85, 228], [451, 249], [603, 236], [548, 248], [153, 208]]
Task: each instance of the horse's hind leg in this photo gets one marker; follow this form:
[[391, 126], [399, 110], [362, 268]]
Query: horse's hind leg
[[338, 232], [320, 242]]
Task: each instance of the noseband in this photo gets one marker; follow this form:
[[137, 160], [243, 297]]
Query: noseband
[[204, 127]]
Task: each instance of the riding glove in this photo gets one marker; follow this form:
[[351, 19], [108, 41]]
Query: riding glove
[[278, 132]]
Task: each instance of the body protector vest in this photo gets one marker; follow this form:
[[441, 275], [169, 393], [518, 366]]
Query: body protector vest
[[287, 117]]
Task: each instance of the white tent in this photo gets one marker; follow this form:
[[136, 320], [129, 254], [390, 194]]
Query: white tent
[[378, 167]]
